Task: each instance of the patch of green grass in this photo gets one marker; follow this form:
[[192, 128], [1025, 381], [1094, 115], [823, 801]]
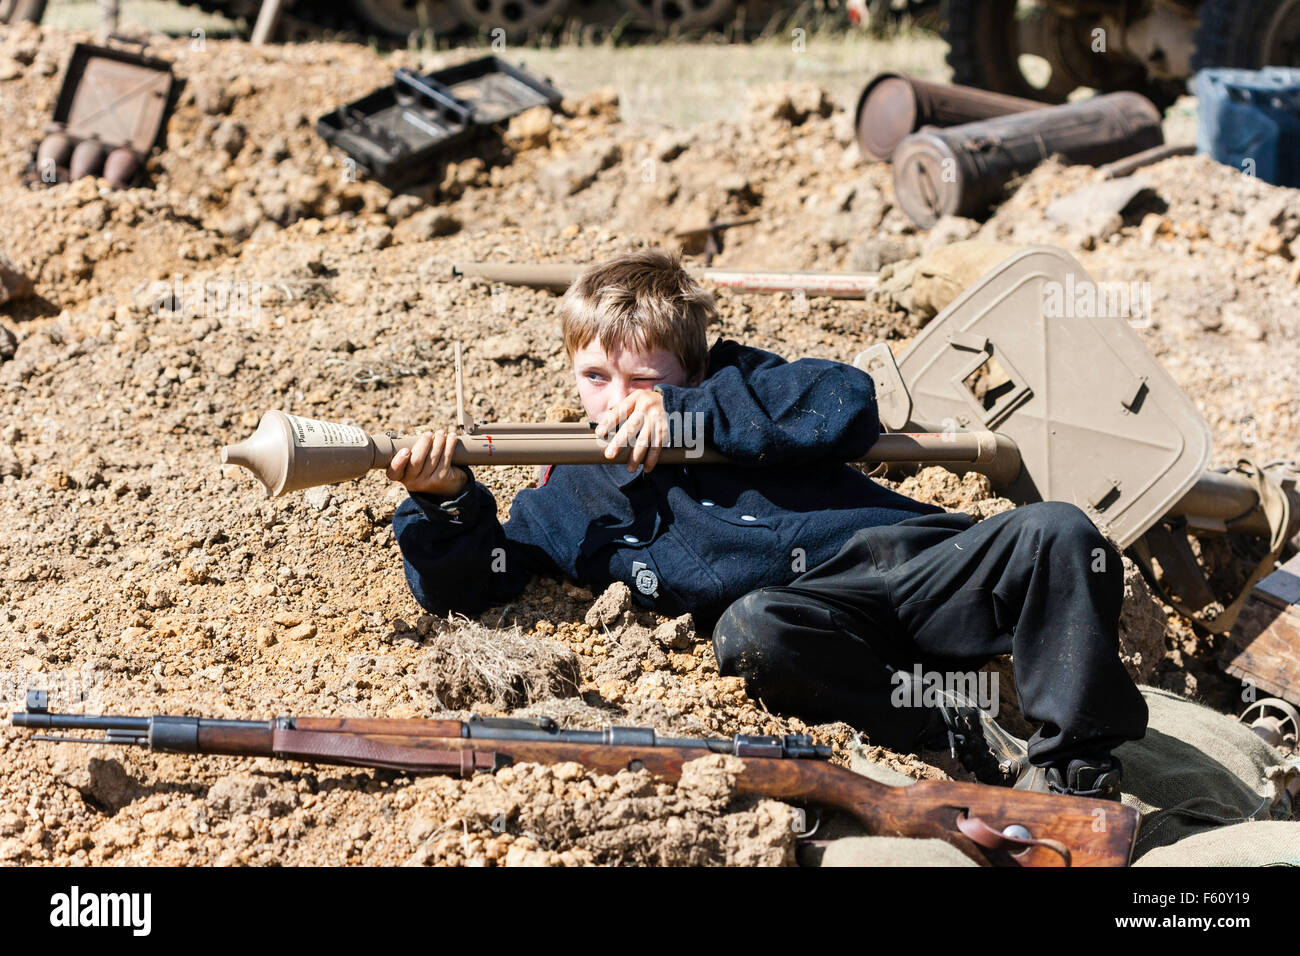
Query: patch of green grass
[[156, 16], [682, 84]]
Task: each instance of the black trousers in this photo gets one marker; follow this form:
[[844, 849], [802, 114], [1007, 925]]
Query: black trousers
[[1038, 582]]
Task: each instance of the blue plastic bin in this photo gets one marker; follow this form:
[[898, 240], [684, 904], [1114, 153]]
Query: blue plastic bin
[[1250, 119]]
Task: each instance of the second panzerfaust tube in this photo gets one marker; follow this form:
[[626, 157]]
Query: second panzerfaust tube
[[1229, 502], [290, 453], [558, 276]]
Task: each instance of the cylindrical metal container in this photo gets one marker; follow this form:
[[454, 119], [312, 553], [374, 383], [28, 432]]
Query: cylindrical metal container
[[892, 106], [87, 159], [961, 171], [120, 167], [55, 148]]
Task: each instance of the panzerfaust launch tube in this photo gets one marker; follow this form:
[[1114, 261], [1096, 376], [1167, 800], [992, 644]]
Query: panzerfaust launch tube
[[289, 453], [1229, 502], [558, 276]]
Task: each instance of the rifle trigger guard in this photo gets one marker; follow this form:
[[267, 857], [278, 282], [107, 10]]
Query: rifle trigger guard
[[983, 834]]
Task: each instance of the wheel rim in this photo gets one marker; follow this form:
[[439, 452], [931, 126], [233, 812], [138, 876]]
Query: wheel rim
[[1282, 39], [516, 17], [404, 17], [1046, 55], [681, 14]]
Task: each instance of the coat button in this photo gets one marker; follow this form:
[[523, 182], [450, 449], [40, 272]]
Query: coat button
[[707, 503], [748, 518], [631, 539]]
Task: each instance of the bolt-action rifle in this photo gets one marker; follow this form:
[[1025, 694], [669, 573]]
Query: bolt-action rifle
[[992, 825]]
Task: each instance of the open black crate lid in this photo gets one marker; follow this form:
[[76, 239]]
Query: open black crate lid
[[119, 97], [396, 130], [494, 90]]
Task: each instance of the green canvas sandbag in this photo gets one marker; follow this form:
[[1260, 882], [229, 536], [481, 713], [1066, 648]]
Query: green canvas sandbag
[[893, 851], [1198, 770], [924, 286], [1258, 843]]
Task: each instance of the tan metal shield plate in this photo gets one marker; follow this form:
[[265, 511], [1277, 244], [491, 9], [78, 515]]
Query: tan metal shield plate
[[1039, 352]]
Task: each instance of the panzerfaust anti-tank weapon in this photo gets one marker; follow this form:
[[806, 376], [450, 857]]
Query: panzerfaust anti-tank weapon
[[992, 825], [290, 453]]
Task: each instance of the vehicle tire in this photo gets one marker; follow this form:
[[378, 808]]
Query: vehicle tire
[[984, 48], [670, 16], [1248, 35], [518, 18], [398, 19], [986, 41]]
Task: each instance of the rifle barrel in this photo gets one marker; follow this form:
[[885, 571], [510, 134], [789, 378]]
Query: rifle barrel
[[44, 721], [217, 735]]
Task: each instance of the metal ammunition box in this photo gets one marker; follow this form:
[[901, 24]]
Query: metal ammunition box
[[396, 133], [111, 112]]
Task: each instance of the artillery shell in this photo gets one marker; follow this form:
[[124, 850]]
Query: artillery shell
[[87, 159], [120, 167], [56, 147]]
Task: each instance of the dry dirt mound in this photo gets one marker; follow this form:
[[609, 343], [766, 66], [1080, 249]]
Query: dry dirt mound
[[136, 575]]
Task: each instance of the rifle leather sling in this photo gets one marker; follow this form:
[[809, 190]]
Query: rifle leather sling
[[362, 751], [986, 836]]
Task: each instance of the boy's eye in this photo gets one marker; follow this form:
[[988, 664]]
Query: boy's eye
[[595, 377]]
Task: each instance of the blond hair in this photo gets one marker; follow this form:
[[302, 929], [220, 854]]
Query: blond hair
[[641, 300]]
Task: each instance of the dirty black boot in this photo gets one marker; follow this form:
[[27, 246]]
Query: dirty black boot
[[972, 737], [1096, 777]]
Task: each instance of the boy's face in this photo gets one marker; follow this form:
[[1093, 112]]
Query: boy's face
[[606, 378]]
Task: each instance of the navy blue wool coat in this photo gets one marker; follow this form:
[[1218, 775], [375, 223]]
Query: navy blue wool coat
[[685, 538]]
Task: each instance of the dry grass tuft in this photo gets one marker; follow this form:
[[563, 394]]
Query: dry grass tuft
[[469, 665]]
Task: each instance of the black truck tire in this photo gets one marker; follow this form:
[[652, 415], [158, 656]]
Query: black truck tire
[[1236, 34], [981, 50]]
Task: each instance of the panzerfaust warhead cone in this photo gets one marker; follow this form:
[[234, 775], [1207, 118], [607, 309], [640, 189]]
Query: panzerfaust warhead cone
[[290, 453]]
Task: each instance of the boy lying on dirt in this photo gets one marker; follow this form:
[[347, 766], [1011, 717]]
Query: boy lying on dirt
[[889, 582]]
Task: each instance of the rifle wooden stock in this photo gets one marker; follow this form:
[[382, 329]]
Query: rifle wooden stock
[[1093, 832]]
